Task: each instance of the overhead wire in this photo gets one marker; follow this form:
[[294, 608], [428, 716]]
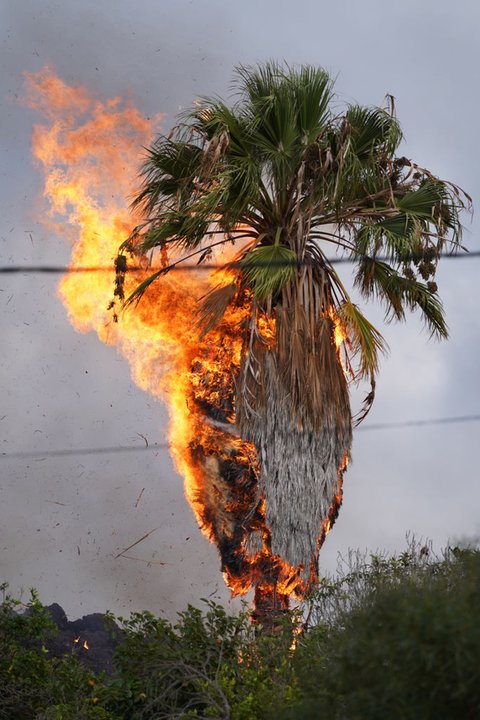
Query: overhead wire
[[60, 269], [65, 452]]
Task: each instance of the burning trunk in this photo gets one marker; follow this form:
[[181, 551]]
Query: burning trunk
[[272, 470], [230, 501]]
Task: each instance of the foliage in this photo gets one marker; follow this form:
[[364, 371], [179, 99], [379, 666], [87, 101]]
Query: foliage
[[33, 685], [388, 637], [208, 665], [400, 639], [284, 168]]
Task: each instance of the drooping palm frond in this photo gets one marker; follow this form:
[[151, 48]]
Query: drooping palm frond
[[365, 340], [396, 237], [375, 277], [213, 306]]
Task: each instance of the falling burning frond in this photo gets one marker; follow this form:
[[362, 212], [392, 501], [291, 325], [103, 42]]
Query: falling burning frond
[[214, 305]]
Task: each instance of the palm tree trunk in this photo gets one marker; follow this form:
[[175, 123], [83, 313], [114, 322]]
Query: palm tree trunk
[[300, 465]]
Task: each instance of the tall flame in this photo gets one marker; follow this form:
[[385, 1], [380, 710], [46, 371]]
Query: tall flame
[[89, 151]]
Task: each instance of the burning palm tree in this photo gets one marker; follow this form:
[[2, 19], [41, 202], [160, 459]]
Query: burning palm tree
[[291, 182]]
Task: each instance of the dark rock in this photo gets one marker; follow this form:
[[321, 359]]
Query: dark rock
[[58, 616], [92, 639]]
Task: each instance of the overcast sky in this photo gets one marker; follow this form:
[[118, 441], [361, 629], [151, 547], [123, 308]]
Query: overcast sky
[[64, 519]]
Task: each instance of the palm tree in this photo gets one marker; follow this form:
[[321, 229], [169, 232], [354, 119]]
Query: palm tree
[[291, 178]]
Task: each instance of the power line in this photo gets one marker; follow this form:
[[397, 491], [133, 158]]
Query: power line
[[420, 423], [40, 455], [59, 269]]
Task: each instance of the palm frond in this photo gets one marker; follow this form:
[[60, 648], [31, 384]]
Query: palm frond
[[375, 277], [257, 83], [169, 170], [169, 226], [268, 268], [213, 307], [422, 201], [137, 294], [440, 204], [370, 130], [312, 89], [396, 236], [366, 341]]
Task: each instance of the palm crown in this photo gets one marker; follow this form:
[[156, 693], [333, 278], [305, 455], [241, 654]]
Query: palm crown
[[290, 176]]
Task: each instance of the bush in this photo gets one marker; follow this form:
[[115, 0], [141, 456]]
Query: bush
[[208, 665], [390, 637], [406, 646]]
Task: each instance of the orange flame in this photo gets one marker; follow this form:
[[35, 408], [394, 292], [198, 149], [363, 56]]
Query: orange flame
[[89, 151]]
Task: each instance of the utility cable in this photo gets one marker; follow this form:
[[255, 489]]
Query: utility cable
[[43, 454], [58, 269], [419, 423]]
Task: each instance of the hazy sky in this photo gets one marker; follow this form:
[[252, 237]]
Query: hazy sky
[[64, 519]]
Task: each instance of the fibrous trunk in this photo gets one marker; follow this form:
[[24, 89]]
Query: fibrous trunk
[[293, 405], [299, 469]]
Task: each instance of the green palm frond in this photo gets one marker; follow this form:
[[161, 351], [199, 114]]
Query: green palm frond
[[396, 237], [171, 226], [169, 170], [371, 130], [422, 201], [215, 119], [439, 205], [312, 88], [188, 229], [286, 110], [366, 341], [398, 292], [256, 84], [268, 268]]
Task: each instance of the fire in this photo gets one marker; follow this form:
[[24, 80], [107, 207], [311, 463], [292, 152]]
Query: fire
[[89, 152], [85, 644], [335, 507]]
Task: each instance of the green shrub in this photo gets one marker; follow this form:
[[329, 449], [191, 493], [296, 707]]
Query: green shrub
[[207, 665], [408, 648], [390, 638]]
